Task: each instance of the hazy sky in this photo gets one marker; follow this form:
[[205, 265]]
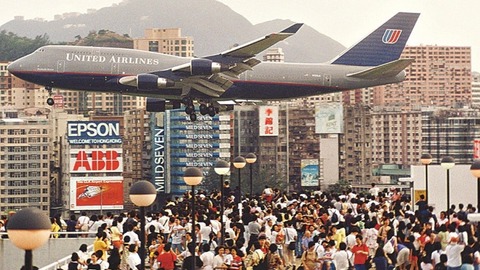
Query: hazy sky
[[442, 22]]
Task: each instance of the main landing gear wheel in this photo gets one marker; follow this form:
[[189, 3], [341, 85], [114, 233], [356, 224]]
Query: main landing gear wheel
[[203, 109], [211, 111], [50, 101], [193, 117]]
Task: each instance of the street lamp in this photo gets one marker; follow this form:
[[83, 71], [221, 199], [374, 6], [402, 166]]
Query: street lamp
[[447, 163], [29, 229], [142, 194], [251, 158], [475, 170], [192, 177], [426, 159], [222, 168], [239, 163]]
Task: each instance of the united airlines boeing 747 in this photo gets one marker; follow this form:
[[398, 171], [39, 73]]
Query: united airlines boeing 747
[[212, 80]]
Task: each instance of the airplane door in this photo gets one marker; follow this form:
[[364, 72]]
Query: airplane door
[[115, 68], [60, 66], [327, 79]]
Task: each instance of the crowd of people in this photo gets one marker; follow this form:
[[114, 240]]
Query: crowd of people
[[306, 230]]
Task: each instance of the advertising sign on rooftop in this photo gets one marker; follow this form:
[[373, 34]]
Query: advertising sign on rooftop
[[94, 132], [96, 160], [329, 118], [94, 193]]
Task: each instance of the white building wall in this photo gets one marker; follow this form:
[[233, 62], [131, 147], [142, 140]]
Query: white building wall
[[329, 164], [463, 186]]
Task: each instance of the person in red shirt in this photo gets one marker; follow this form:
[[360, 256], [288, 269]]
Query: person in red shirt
[[167, 258], [360, 252]]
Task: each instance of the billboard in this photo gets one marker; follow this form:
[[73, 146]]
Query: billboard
[[96, 160], [93, 132], [310, 172], [329, 118], [95, 193], [476, 149], [59, 101], [159, 159], [268, 120]]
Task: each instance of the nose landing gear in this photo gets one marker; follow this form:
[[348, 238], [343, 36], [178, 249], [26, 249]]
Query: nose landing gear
[[50, 100]]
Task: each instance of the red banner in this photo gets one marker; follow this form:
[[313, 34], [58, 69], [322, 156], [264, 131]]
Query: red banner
[[96, 193]]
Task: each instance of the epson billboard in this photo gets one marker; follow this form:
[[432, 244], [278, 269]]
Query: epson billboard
[[94, 132]]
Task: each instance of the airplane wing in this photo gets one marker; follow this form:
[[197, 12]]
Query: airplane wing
[[211, 75]]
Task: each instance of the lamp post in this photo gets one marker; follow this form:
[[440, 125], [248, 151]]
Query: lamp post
[[447, 163], [29, 229], [239, 163], [475, 170], [192, 177], [426, 159], [251, 158], [222, 168], [142, 194]]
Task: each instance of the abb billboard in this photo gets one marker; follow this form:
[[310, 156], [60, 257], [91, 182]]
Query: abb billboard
[[96, 160], [93, 193]]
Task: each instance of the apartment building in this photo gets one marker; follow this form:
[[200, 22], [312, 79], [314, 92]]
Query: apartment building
[[24, 162], [440, 75]]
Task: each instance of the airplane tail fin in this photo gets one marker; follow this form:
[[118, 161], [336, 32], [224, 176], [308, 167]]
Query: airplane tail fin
[[383, 45]]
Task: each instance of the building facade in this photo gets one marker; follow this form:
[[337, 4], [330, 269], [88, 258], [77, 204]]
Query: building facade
[[24, 162], [440, 75]]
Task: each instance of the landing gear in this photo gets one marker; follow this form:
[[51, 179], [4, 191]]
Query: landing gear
[[50, 100], [204, 109]]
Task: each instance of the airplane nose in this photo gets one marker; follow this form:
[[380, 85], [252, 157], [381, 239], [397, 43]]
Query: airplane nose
[[13, 67]]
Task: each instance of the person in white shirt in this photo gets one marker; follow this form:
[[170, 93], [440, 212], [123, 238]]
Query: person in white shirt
[[340, 258], [374, 190], [132, 235], [453, 251], [207, 257]]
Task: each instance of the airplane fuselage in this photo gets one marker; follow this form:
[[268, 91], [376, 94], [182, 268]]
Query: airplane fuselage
[[99, 69]]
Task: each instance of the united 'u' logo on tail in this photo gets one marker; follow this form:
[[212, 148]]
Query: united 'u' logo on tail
[[391, 36]]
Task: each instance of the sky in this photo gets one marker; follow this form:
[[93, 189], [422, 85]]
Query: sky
[[442, 22]]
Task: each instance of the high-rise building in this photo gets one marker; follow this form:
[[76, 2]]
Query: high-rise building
[[396, 136], [476, 90], [451, 132], [274, 55], [24, 162], [355, 145], [440, 75], [168, 41]]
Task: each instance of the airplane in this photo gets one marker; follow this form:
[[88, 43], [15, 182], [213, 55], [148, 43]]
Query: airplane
[[223, 78], [90, 191]]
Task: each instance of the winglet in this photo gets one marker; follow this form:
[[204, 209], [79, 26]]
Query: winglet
[[292, 29]]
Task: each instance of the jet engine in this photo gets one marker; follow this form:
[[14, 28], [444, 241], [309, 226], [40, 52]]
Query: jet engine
[[151, 81], [206, 67]]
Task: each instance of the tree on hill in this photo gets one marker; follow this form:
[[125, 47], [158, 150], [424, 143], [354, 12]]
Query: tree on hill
[[104, 38], [13, 47]]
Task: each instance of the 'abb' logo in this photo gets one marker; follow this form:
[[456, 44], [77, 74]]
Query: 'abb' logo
[[106, 160]]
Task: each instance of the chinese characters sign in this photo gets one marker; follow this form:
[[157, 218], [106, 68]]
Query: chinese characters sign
[[268, 120]]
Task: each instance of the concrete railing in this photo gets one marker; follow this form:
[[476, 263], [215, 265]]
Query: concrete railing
[[55, 253]]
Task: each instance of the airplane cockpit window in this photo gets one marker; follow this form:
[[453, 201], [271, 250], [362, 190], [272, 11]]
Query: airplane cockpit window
[[40, 50]]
